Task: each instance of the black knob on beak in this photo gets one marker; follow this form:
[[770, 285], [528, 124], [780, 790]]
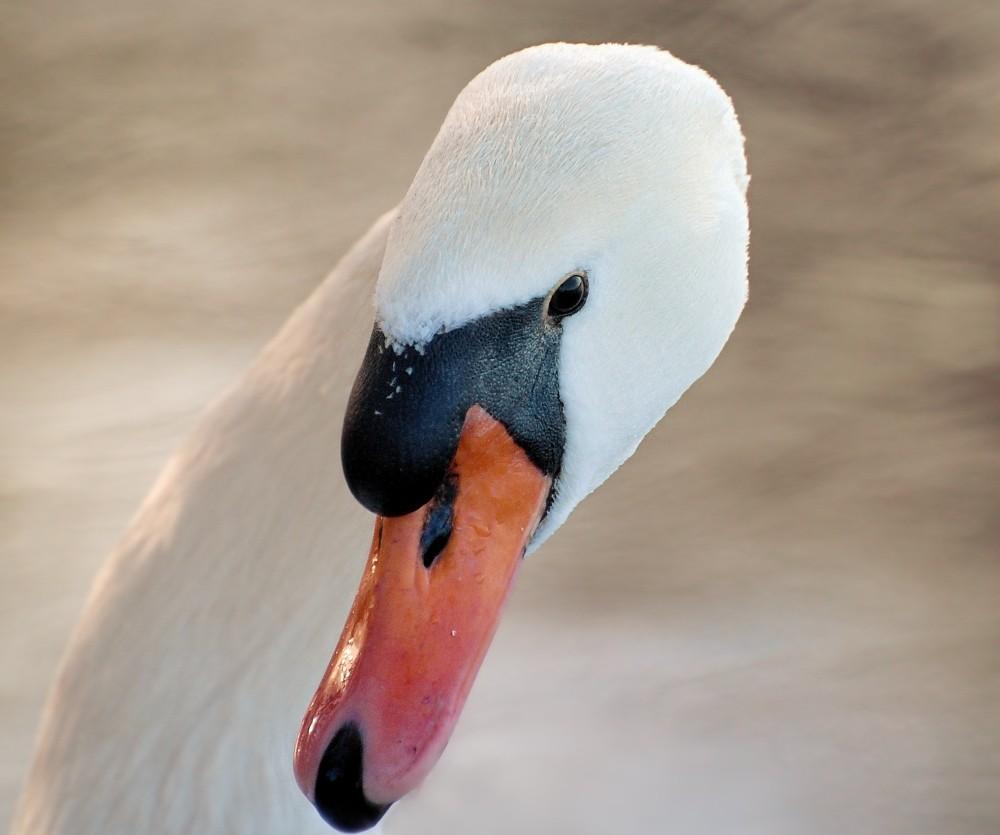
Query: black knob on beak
[[408, 404]]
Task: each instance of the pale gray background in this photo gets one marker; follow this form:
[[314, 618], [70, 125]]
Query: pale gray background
[[794, 625]]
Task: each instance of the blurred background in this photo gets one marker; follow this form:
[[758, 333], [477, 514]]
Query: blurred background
[[793, 624]]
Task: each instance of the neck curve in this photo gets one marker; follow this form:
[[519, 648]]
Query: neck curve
[[177, 704]]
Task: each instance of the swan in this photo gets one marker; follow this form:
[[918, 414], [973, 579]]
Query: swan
[[570, 257]]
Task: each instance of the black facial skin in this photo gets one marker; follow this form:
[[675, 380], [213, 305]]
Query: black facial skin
[[406, 409]]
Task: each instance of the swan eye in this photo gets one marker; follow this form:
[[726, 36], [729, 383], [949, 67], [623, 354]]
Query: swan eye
[[569, 296]]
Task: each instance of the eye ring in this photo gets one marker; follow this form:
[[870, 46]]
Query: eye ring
[[569, 296]]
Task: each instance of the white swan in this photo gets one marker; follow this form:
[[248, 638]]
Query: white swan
[[616, 169]]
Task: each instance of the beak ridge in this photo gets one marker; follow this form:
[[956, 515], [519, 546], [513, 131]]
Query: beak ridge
[[419, 629]]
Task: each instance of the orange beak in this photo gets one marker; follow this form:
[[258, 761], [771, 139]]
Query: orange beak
[[424, 616]]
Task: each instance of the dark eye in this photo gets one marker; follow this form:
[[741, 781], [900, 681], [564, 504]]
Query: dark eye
[[569, 296]]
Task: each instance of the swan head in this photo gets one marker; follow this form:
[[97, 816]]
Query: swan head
[[570, 258]]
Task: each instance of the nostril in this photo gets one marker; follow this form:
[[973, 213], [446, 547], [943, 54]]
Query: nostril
[[340, 796], [437, 527]]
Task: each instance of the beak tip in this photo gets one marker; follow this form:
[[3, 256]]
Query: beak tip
[[339, 795]]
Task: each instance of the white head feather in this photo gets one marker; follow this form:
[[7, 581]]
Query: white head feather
[[620, 161]]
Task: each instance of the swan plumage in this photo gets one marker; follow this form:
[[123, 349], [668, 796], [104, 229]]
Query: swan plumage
[[178, 699]]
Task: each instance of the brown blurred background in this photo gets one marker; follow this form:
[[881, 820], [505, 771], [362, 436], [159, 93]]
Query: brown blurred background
[[793, 625]]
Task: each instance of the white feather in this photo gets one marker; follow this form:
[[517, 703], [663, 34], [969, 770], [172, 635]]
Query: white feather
[[178, 702], [619, 160]]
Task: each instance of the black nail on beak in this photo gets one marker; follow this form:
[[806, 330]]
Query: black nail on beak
[[340, 797]]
